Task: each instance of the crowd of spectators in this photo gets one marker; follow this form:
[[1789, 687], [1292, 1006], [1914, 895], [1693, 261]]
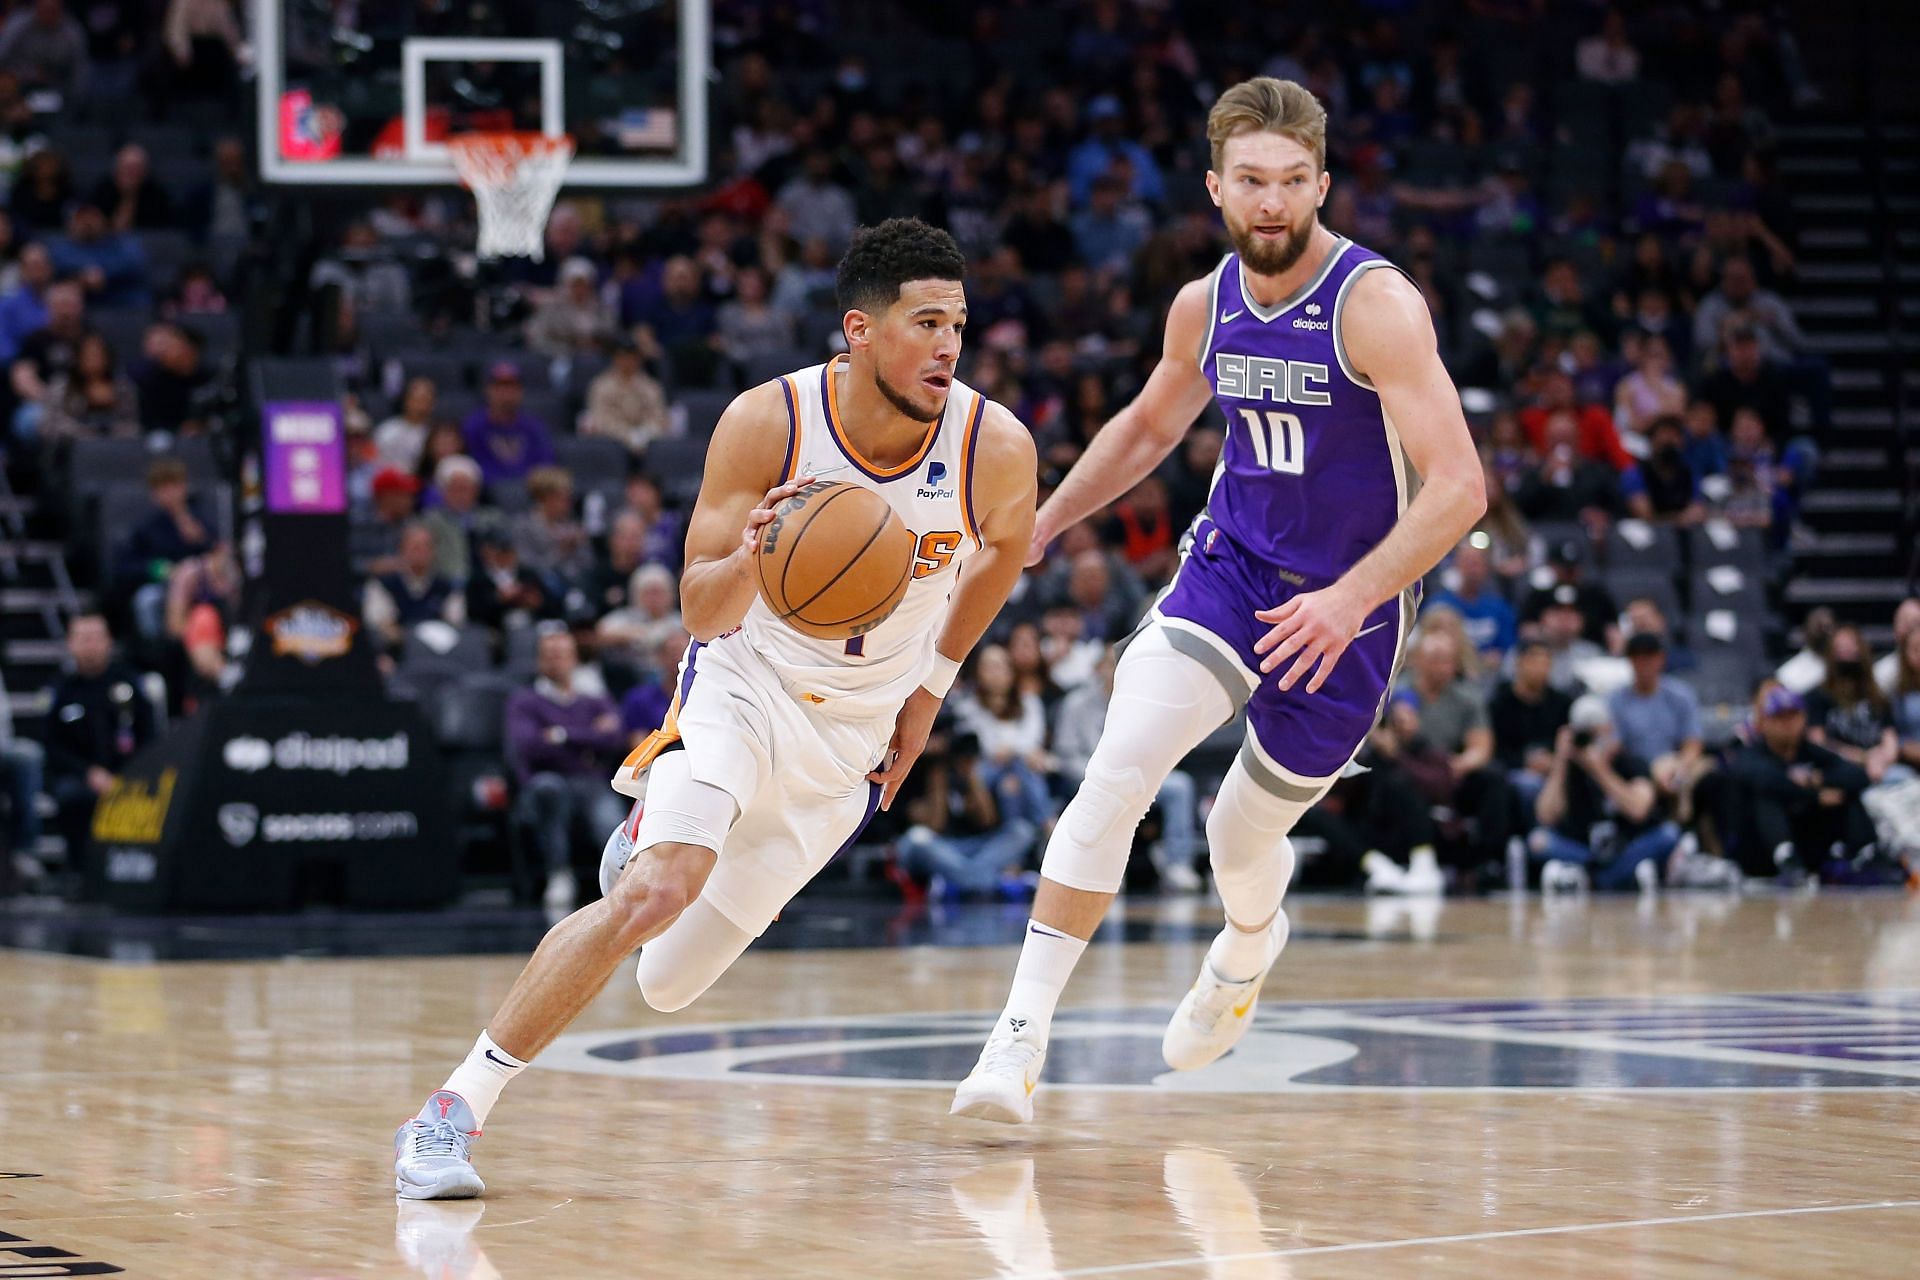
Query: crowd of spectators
[[1598, 226]]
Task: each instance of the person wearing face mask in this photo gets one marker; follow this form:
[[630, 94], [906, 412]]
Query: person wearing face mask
[[1848, 713], [1663, 487]]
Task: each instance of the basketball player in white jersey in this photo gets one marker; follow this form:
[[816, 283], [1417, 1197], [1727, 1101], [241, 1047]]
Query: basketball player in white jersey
[[1296, 588], [777, 747]]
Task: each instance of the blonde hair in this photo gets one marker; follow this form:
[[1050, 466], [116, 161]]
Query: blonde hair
[[1446, 621], [542, 481], [1266, 105]]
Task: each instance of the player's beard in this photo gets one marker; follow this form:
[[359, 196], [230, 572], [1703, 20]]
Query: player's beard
[[1270, 257], [899, 400]]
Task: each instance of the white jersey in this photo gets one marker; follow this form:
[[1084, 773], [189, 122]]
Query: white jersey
[[932, 493]]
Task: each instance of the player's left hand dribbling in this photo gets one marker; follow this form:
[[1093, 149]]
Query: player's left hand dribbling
[[910, 731], [1317, 626]]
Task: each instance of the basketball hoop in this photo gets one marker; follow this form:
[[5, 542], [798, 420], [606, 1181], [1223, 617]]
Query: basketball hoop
[[514, 178]]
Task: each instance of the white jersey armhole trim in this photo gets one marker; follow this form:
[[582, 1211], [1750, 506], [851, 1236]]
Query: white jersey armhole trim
[[1213, 309], [1354, 376], [971, 424]]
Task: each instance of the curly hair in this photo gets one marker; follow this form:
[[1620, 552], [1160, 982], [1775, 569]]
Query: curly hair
[[882, 258]]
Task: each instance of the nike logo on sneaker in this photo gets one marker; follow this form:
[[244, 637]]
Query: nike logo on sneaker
[[1228, 317], [1240, 1010], [1018, 1024], [511, 1066]]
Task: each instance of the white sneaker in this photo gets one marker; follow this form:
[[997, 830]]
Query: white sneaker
[[1384, 875], [614, 856], [1424, 877], [1563, 877], [1688, 868], [1000, 1086], [1214, 1014], [1646, 874], [561, 892]]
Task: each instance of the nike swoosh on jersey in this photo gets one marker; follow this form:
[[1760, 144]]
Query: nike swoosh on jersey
[[1367, 631], [1228, 317]]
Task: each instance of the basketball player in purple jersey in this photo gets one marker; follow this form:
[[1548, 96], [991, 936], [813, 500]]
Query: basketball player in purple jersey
[[1348, 473]]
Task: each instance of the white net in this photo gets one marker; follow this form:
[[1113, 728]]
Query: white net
[[514, 178]]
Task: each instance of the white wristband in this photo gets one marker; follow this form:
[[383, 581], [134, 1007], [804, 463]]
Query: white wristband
[[940, 679]]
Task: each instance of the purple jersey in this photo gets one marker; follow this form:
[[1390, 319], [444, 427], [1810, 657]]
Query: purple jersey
[[1311, 477]]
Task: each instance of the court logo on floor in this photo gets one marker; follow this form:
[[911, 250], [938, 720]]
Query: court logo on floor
[[1750, 1042]]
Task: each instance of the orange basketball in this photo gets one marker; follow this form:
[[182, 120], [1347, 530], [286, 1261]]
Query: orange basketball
[[834, 561]]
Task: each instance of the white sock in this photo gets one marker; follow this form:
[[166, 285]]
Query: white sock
[[483, 1075], [1047, 958], [1251, 893], [1237, 956]]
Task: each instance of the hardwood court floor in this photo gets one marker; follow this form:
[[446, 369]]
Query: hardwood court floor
[[1598, 1089]]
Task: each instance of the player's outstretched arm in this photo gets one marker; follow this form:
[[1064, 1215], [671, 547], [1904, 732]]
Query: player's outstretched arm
[[1003, 498], [1135, 440], [1390, 341], [738, 492]]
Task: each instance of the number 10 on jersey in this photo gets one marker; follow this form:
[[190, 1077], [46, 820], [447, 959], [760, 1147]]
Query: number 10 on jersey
[[1278, 442]]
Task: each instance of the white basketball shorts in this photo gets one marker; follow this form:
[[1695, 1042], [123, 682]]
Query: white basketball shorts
[[797, 771]]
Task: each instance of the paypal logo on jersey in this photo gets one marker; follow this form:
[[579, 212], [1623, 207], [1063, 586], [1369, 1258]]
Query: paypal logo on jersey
[[936, 472], [1262, 378]]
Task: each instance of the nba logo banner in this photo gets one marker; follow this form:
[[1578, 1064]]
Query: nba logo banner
[[305, 458]]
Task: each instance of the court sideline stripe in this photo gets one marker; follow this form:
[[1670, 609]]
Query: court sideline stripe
[[1202, 1260]]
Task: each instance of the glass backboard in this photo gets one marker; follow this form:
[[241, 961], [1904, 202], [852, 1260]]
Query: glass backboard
[[367, 94]]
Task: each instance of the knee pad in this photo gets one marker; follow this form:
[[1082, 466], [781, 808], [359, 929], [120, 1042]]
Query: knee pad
[[1090, 843], [677, 967], [664, 990], [1247, 831]]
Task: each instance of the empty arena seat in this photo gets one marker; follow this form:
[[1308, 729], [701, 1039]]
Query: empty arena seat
[[1651, 584], [1727, 544], [1644, 547], [1724, 674], [471, 650], [469, 714], [219, 333], [703, 410], [678, 462], [765, 368], [523, 645], [98, 466], [596, 463], [390, 334], [449, 369], [124, 328], [167, 252], [295, 378]]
